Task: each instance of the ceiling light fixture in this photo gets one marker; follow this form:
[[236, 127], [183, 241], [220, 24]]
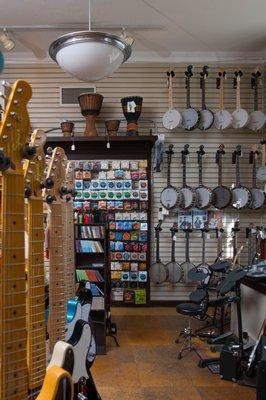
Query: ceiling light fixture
[[6, 41], [90, 55]]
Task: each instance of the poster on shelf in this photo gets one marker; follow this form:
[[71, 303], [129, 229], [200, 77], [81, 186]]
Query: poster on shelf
[[215, 219], [199, 219], [185, 220]]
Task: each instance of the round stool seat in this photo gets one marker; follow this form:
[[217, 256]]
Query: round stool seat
[[189, 309], [220, 266]]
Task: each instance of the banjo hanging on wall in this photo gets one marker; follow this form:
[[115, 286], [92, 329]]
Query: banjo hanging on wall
[[241, 196], [170, 196], [257, 117], [175, 271], [221, 194], [261, 172], [158, 271], [206, 115], [190, 116], [203, 193], [258, 195], [189, 196], [240, 115], [172, 118], [222, 117]]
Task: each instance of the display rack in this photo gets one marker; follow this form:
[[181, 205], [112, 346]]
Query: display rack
[[91, 265]]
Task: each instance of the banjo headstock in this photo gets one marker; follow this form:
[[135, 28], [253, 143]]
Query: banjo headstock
[[204, 73], [185, 153], [174, 228], [201, 152], [219, 153], [220, 79], [255, 77], [170, 152], [170, 76], [238, 75], [236, 154], [189, 71], [253, 155]]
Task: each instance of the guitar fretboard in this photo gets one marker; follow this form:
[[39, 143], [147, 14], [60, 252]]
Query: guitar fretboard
[[13, 352], [69, 249]]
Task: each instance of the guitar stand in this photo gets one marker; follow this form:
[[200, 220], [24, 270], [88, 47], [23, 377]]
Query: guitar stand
[[111, 331]]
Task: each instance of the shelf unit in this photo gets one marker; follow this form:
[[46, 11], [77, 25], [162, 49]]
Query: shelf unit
[[84, 261]]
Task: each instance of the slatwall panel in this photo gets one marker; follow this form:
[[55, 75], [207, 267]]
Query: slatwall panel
[[149, 81]]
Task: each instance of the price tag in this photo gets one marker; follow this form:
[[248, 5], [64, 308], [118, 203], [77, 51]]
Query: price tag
[[174, 238], [208, 236], [161, 137]]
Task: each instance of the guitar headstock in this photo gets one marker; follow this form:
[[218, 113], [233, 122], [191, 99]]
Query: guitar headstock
[[56, 176], [70, 179], [34, 169], [185, 153], [14, 128]]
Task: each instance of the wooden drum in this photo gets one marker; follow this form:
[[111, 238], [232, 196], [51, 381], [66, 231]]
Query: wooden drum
[[67, 128], [132, 109], [112, 126], [90, 105]]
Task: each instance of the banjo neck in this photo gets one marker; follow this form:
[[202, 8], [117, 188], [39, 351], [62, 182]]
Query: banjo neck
[[219, 156], [157, 236], [236, 161], [173, 231], [237, 79], [203, 246], [170, 75], [235, 231], [185, 153], [200, 154], [263, 153], [169, 153], [253, 160], [220, 85], [188, 74], [203, 76], [255, 76], [187, 245]]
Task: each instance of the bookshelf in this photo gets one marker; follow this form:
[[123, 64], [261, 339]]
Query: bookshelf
[[91, 265]]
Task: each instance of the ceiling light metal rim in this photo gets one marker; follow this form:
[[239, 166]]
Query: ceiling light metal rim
[[89, 36]]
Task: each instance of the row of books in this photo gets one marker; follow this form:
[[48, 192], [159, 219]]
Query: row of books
[[89, 275], [89, 246], [91, 232]]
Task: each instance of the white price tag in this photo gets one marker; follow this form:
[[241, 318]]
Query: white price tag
[[161, 137], [174, 238], [208, 236]]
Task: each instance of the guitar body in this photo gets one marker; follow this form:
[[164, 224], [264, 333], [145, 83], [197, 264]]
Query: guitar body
[[204, 197], [222, 197], [222, 119], [57, 385], [158, 273], [257, 120], [189, 198], [190, 119], [241, 197], [258, 198], [78, 308], [186, 267], [172, 119], [175, 272], [206, 119], [240, 118]]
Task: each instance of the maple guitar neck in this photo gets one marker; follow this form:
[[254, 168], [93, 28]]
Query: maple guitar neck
[[69, 246]]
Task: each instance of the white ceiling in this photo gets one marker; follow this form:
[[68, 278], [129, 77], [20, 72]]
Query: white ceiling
[[216, 29]]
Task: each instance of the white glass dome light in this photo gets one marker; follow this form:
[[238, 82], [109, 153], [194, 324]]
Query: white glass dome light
[[88, 55]]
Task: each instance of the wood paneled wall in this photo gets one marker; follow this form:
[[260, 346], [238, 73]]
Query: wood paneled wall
[[149, 81]]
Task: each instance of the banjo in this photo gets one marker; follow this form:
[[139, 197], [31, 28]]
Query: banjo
[[175, 271], [190, 117], [158, 271], [188, 194], [257, 117], [241, 196], [201, 272], [222, 117], [206, 115], [170, 196], [261, 172], [258, 195], [240, 115], [221, 194], [203, 193], [187, 265], [172, 118]]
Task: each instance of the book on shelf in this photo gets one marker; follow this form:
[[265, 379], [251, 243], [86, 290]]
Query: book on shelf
[[89, 246], [91, 232], [89, 275]]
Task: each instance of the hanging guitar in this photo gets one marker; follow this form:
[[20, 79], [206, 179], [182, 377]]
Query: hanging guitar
[[261, 172], [204, 194], [222, 195], [222, 117], [174, 269], [170, 196], [188, 194], [158, 271], [190, 116], [241, 196], [257, 117], [187, 265], [14, 129], [258, 195], [240, 117], [201, 272], [172, 118], [36, 340], [206, 116]]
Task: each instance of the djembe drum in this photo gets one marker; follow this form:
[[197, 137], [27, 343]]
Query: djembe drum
[[90, 105], [112, 126], [67, 128], [132, 109]]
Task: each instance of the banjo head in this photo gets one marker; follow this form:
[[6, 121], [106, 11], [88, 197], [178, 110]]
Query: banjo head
[[169, 197], [222, 119], [204, 197], [241, 197], [222, 196], [158, 273], [188, 198], [186, 267], [240, 118], [175, 272], [206, 120], [258, 198], [172, 119], [190, 119], [257, 120], [261, 173]]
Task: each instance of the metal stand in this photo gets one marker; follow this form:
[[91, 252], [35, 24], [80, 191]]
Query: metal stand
[[187, 334]]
